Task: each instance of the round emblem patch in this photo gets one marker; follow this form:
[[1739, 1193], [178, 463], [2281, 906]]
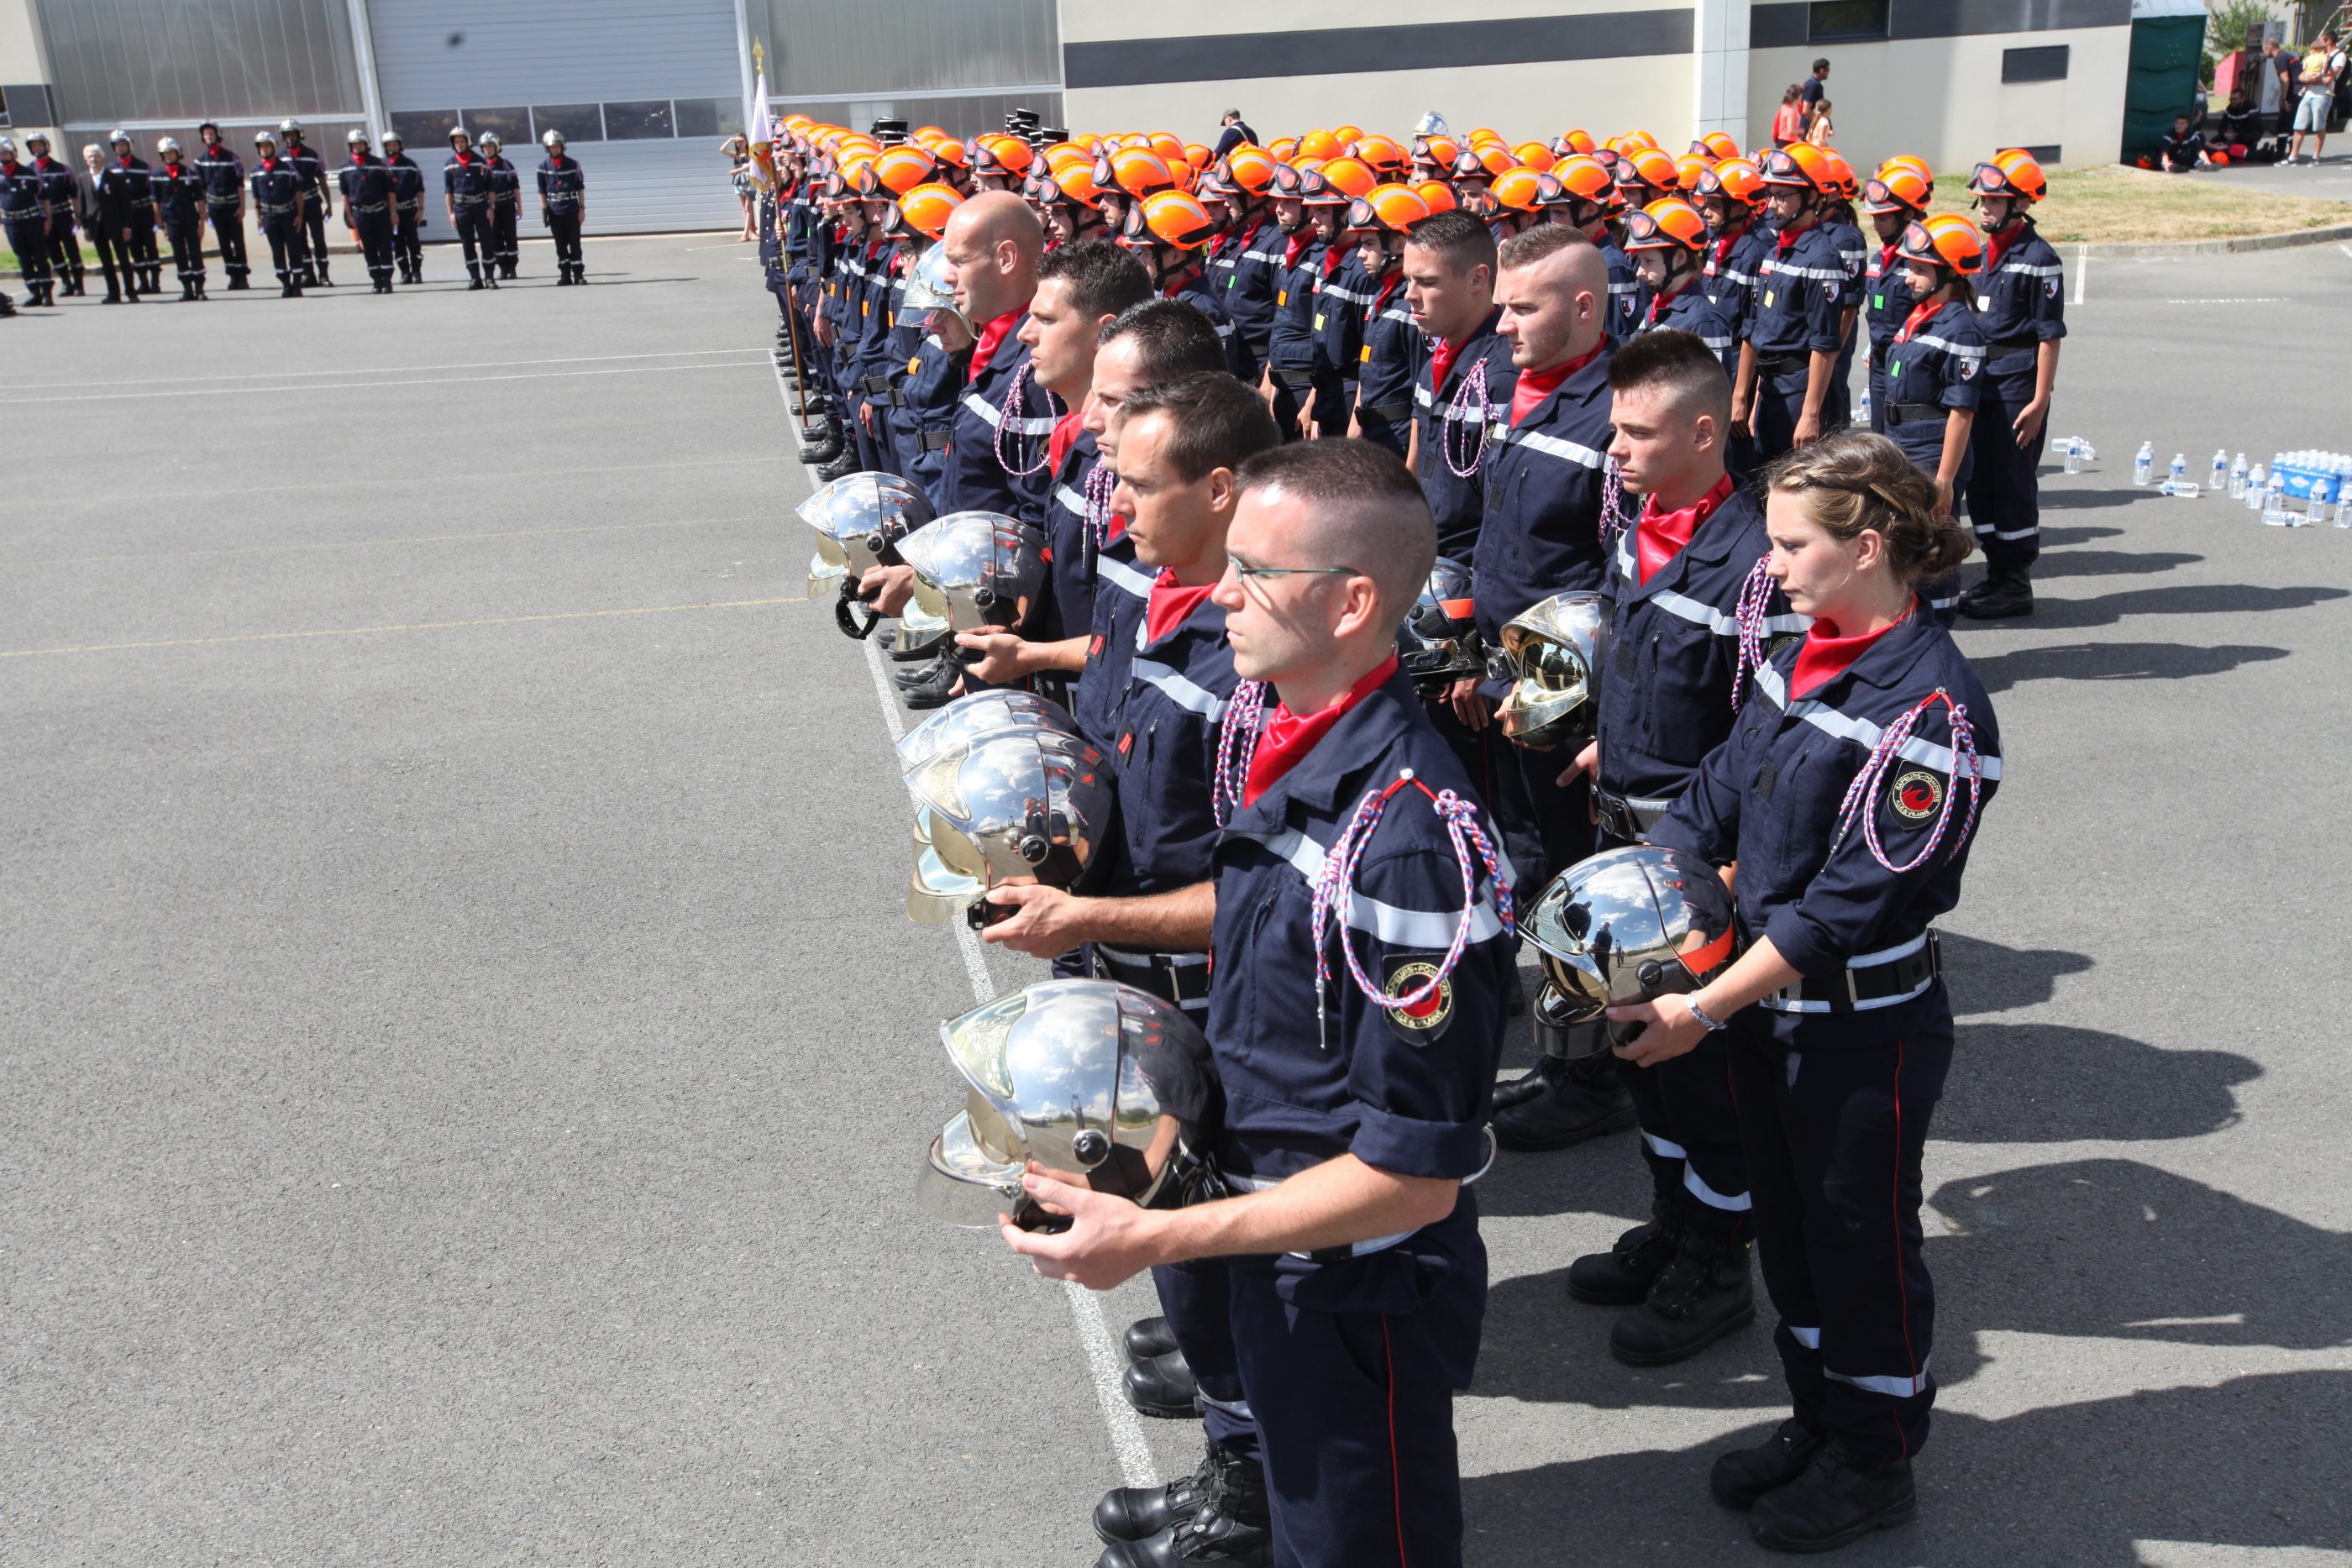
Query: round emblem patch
[[1432, 1013], [1916, 795]]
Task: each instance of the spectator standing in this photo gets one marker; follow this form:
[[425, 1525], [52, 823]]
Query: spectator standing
[[2313, 109], [1236, 132], [2279, 71], [1810, 89], [738, 153], [1789, 120], [1820, 131]]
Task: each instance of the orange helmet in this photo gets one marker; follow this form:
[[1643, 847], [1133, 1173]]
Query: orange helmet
[[1074, 184], [1534, 155], [1168, 144], [1635, 141], [925, 209], [1947, 239], [1841, 174], [1689, 167], [1319, 145], [1520, 190], [1384, 156], [1348, 133], [1715, 146], [2011, 173], [1134, 170], [1581, 178], [955, 154], [1496, 158], [1486, 136], [1062, 154], [1667, 224], [1247, 168], [1801, 165], [1350, 176], [1438, 152], [1897, 190], [1174, 218], [1283, 149], [903, 168], [1391, 208], [1469, 164], [1916, 165], [1735, 179], [1436, 195], [1572, 141]]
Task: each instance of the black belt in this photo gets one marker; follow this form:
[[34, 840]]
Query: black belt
[[278, 212], [2012, 345], [936, 440], [1296, 381], [370, 207], [1182, 978], [1781, 364], [1912, 412], [1629, 820], [1854, 989], [222, 200], [1392, 411], [875, 386], [35, 216]]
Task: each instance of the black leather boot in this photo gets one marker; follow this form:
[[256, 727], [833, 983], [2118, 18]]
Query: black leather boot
[[1536, 1081], [1138, 1513], [934, 687], [1585, 1101], [1703, 1294], [1743, 1475], [841, 468], [1838, 1500], [1148, 1337], [1234, 1525], [2001, 596], [1162, 1385], [1622, 1277]]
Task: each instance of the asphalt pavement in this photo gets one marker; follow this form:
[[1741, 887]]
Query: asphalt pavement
[[466, 1058]]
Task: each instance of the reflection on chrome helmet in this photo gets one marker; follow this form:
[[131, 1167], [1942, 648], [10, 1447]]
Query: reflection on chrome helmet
[[1106, 1086], [1555, 651], [926, 282], [860, 520], [1024, 801], [977, 568], [1629, 925]]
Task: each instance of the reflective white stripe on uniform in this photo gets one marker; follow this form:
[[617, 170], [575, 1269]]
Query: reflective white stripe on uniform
[[1810, 1338], [1825, 274], [1986, 530], [1663, 1149], [1274, 257], [1122, 576], [2030, 271], [1734, 1203], [1456, 415], [1399, 928], [1957, 350], [1549, 446], [1845, 727], [1394, 313], [1893, 1387], [1179, 688], [1689, 608], [1072, 502], [988, 411]]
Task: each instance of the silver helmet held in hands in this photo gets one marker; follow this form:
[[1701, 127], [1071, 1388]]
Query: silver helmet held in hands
[[1554, 652], [1106, 1086], [1629, 924], [976, 714], [860, 520], [976, 570], [1437, 642], [1026, 802]]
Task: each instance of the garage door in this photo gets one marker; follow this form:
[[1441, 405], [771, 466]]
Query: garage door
[[643, 94]]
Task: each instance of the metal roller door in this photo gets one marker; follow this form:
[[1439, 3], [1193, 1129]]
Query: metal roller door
[[644, 96]]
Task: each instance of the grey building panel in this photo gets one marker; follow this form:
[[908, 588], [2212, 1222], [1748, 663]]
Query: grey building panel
[[1329, 51], [1963, 18], [459, 54], [171, 60], [829, 50], [1779, 24]]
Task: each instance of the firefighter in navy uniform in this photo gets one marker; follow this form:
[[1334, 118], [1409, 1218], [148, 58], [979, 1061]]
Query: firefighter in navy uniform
[[1245, 263], [367, 186], [506, 203], [1388, 364], [1668, 240], [1169, 233], [1935, 370], [466, 196], [1692, 613], [563, 207], [1727, 195], [1466, 375], [1580, 193], [1895, 198], [57, 193], [1305, 232], [1340, 297], [1787, 365], [1549, 504], [1848, 795], [223, 172], [998, 454], [1356, 1045], [407, 209], [2022, 306], [180, 207], [25, 217], [277, 207], [126, 200], [1846, 233], [318, 199]]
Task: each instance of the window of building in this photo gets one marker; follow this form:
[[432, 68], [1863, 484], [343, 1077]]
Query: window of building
[[578, 121], [1845, 21], [510, 126], [638, 119], [709, 117], [2046, 63], [3, 108], [422, 129], [2046, 154]]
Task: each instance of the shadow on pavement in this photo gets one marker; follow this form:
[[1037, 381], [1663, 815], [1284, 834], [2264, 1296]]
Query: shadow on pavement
[[2060, 538], [2088, 500], [2109, 563], [2207, 598], [2050, 1083], [1987, 977], [2115, 662]]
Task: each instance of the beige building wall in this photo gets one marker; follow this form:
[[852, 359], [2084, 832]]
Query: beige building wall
[[20, 56], [1943, 99]]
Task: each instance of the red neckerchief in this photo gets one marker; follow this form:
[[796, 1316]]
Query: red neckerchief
[[124, 160], [1786, 241], [1065, 436], [1187, 277], [1826, 656], [991, 338], [9, 168], [271, 165], [1395, 282], [1918, 318], [362, 160], [1660, 300], [1537, 385], [1725, 241], [1331, 260], [1170, 604], [1997, 246], [465, 160], [1289, 738], [1887, 254], [1441, 362], [1291, 246], [1660, 536]]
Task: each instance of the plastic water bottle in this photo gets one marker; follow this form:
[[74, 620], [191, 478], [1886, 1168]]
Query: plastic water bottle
[[2184, 488], [2074, 455], [2256, 486], [2237, 477], [1861, 409], [2220, 478], [2179, 473], [2144, 466], [2275, 500]]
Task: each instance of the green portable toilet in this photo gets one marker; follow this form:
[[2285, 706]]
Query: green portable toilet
[[2168, 40]]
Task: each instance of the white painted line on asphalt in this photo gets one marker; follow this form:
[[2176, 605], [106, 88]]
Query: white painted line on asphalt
[[2081, 271], [2234, 299], [372, 386], [373, 370], [1106, 1363], [374, 544]]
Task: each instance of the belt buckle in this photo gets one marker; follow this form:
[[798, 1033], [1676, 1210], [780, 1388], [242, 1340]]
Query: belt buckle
[[1852, 997]]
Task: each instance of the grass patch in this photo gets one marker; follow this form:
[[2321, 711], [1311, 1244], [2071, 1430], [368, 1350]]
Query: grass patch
[[8, 259], [2114, 204]]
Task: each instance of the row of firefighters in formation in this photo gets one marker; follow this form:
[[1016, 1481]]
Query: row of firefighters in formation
[[120, 201], [1357, 725]]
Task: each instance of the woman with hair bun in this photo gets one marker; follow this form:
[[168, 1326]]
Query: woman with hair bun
[[1847, 797]]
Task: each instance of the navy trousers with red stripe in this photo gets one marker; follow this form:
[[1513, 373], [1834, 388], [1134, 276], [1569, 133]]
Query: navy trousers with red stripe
[[1351, 1369], [1833, 1112]]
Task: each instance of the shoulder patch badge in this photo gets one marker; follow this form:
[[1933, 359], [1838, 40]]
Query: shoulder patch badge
[[1915, 794], [2050, 287], [1829, 288], [1968, 367], [1426, 1019]]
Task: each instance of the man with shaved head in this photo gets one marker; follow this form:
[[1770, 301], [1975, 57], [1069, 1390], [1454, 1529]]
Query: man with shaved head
[[997, 458], [1356, 1047], [1542, 534]]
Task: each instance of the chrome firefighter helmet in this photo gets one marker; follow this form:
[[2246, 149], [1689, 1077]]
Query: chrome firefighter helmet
[[976, 568], [860, 520], [977, 714], [1106, 1086], [167, 144], [919, 628], [8, 149], [1629, 924], [1437, 642], [1554, 652], [926, 282], [356, 136], [1027, 803]]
